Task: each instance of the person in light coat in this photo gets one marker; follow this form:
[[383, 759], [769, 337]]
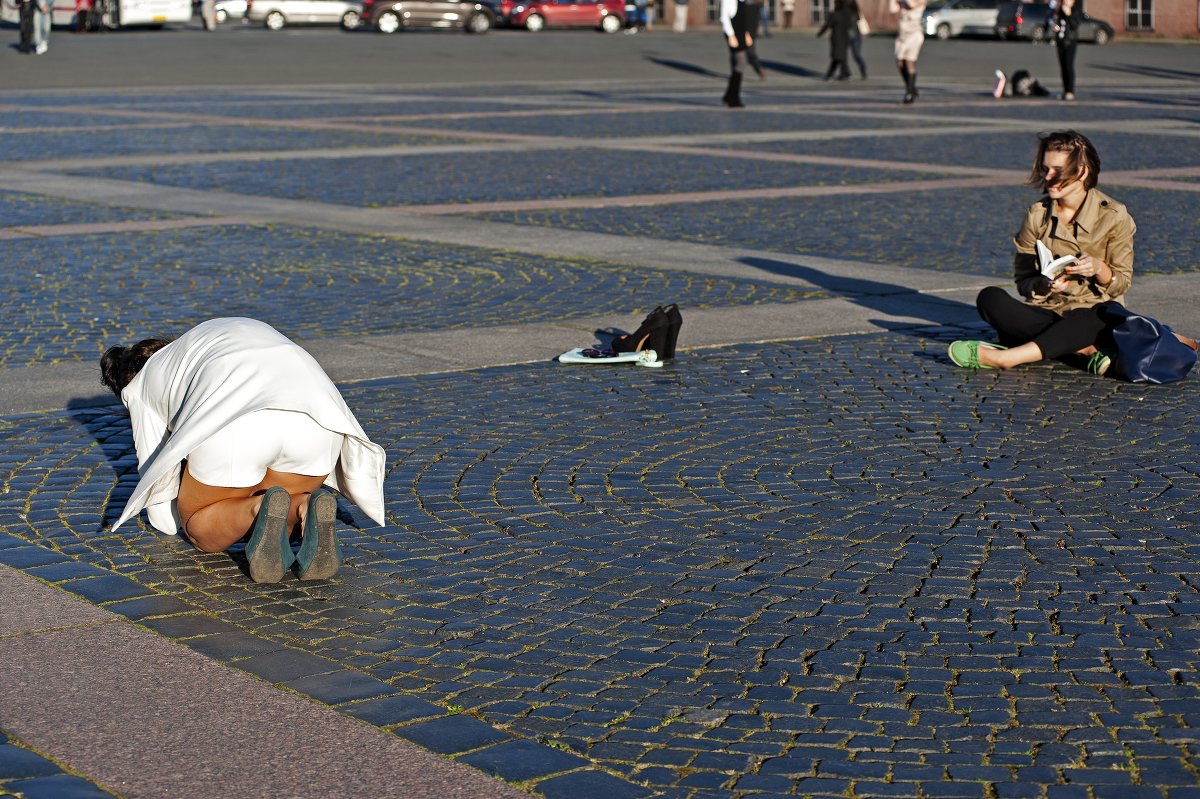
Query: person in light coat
[[237, 430], [909, 38]]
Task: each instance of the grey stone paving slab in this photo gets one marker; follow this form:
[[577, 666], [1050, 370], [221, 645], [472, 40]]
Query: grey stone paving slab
[[186, 702]]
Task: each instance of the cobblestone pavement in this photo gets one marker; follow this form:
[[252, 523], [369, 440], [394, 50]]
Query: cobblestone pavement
[[832, 566]]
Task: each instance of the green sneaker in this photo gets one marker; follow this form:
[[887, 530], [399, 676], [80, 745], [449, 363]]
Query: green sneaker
[[966, 353], [1098, 364]]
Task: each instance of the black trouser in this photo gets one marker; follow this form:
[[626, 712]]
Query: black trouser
[[738, 57], [1055, 334], [26, 17], [1066, 64]]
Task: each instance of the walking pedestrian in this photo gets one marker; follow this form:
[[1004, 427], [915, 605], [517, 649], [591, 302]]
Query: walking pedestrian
[[909, 38], [860, 29], [788, 7], [735, 18], [237, 429], [839, 23], [1064, 22], [679, 23], [43, 11], [764, 18], [754, 11], [208, 14], [25, 11]]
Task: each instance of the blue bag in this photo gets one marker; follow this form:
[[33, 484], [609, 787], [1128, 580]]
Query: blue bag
[[1146, 351]]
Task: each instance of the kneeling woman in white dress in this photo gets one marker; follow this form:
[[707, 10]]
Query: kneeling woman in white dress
[[237, 431]]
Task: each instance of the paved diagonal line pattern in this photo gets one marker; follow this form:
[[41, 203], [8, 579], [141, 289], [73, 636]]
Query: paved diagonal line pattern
[[800, 565]]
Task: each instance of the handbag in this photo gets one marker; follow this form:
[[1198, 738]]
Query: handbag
[[863, 27], [1146, 349]]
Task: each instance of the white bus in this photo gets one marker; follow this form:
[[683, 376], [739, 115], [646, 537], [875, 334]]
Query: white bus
[[111, 13]]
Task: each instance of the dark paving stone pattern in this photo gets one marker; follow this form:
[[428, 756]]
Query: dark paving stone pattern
[[405, 180], [968, 230], [708, 121], [275, 108], [18, 209], [67, 118], [28, 775], [1140, 108], [194, 139], [994, 150], [763, 571], [312, 284]]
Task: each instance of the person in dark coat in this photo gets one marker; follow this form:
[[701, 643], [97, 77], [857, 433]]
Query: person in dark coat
[[1064, 24], [840, 22], [25, 10]]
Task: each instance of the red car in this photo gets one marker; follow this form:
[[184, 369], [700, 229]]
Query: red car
[[536, 15]]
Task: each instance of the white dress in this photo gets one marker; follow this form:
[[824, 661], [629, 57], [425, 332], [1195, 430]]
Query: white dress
[[909, 35], [215, 373]]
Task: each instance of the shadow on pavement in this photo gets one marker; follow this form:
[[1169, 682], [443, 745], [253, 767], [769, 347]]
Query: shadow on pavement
[[789, 69], [887, 298], [683, 66], [109, 425], [1151, 72]]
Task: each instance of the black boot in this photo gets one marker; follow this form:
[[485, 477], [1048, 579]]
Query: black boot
[[733, 92], [910, 83]]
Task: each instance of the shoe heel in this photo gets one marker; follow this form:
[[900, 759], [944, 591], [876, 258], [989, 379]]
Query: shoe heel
[[674, 322], [268, 552], [639, 339], [320, 554]]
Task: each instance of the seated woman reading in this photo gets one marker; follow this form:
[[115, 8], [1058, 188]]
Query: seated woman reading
[[237, 431], [1059, 317]]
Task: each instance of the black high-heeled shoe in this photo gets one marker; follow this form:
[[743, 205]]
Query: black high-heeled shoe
[[674, 322], [650, 335]]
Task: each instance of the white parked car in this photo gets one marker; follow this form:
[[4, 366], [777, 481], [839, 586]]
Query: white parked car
[[956, 17], [226, 10], [276, 14]]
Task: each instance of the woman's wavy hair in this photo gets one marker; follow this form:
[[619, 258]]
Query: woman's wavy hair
[[119, 365], [1082, 159]]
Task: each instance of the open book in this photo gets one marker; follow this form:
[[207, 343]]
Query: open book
[[1053, 268]]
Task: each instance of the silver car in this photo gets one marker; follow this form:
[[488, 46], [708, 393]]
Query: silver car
[[956, 17], [276, 14]]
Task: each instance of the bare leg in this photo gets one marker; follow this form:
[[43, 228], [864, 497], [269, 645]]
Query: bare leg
[[1007, 359], [217, 517]]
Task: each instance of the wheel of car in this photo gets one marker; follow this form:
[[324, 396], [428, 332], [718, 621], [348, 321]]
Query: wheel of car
[[479, 23], [274, 21], [350, 20], [535, 22], [1101, 36], [610, 23], [388, 22], [221, 15], [943, 31]]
